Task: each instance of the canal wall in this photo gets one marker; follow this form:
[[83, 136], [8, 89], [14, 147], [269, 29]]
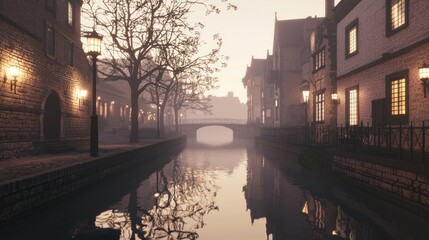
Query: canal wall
[[405, 184], [20, 196], [390, 179]]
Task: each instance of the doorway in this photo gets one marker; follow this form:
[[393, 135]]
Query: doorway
[[52, 117]]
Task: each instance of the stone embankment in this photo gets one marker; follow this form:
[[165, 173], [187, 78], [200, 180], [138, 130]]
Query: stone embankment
[[18, 196]]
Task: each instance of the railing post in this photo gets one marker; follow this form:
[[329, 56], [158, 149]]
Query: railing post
[[400, 141], [341, 137], [423, 142], [411, 141], [379, 138], [389, 147], [361, 135]]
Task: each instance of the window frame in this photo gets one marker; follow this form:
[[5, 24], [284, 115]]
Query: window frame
[[347, 107], [353, 24], [69, 59], [46, 38], [319, 106], [400, 118], [389, 30], [319, 54]]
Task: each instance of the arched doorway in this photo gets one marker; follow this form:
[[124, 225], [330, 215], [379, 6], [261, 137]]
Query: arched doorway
[[52, 117]]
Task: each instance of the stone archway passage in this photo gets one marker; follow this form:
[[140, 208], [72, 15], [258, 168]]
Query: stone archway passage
[[52, 118]]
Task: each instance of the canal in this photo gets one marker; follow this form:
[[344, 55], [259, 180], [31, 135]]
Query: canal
[[218, 188]]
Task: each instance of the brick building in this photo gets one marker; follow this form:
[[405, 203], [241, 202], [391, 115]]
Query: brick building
[[322, 78], [253, 80], [290, 66], [380, 46], [40, 40]]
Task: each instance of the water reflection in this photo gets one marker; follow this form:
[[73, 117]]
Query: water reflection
[[293, 212], [170, 204], [215, 136], [228, 192]]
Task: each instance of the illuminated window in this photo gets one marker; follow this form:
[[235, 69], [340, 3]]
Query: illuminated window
[[352, 39], [319, 60], [397, 95], [50, 41], [70, 13], [397, 15], [352, 102], [320, 107]]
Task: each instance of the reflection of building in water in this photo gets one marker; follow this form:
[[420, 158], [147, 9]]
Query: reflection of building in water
[[347, 227], [270, 195], [295, 213]]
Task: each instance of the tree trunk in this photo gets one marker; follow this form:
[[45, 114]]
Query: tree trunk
[[158, 121], [161, 121], [134, 132], [176, 120]]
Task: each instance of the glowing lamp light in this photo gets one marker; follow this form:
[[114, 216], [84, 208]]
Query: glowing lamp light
[[82, 93], [93, 43], [424, 77], [112, 102], [305, 94], [14, 71], [334, 96]]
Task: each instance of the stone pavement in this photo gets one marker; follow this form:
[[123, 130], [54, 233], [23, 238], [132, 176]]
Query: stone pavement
[[20, 168]]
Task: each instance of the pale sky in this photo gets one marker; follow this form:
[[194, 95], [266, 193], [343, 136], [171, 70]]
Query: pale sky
[[249, 32]]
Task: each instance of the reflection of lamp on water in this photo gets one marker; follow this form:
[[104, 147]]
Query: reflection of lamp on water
[[305, 208]]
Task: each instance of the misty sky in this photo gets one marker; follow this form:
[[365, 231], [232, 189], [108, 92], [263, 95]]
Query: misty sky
[[249, 32]]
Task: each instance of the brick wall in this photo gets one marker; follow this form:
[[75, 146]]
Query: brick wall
[[372, 40], [22, 44], [406, 184], [26, 194], [372, 86]]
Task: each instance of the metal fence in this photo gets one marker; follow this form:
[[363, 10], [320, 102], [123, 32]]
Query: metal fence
[[402, 142]]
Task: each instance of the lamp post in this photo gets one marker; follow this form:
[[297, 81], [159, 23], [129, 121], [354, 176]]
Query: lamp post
[[305, 89], [93, 49]]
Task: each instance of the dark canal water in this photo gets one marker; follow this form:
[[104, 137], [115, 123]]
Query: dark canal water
[[219, 190]]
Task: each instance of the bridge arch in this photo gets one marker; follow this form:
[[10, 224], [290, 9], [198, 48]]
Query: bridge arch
[[239, 127], [214, 135]]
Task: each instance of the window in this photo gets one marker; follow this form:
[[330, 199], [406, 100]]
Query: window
[[69, 53], [352, 39], [396, 16], [397, 93], [50, 41], [352, 106], [70, 13], [320, 107], [319, 60]]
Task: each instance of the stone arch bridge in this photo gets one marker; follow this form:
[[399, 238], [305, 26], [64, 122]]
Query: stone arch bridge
[[239, 127]]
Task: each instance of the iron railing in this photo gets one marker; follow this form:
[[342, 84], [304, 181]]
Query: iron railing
[[403, 142]]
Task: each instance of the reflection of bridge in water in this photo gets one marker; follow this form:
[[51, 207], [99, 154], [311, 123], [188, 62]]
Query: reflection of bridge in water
[[239, 127]]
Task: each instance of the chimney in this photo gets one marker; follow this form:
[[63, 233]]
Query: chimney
[[329, 8]]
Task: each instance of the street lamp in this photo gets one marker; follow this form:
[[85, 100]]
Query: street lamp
[[93, 49], [305, 89]]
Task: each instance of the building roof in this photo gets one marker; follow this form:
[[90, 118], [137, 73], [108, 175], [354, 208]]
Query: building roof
[[257, 68]]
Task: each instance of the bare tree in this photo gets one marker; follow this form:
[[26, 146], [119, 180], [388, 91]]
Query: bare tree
[[136, 33]]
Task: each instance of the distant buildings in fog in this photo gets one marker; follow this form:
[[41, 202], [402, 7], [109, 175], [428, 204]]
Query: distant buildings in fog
[[223, 107]]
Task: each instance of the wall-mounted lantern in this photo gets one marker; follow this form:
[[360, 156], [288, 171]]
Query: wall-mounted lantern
[[334, 97], [81, 96], [12, 71], [424, 77]]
